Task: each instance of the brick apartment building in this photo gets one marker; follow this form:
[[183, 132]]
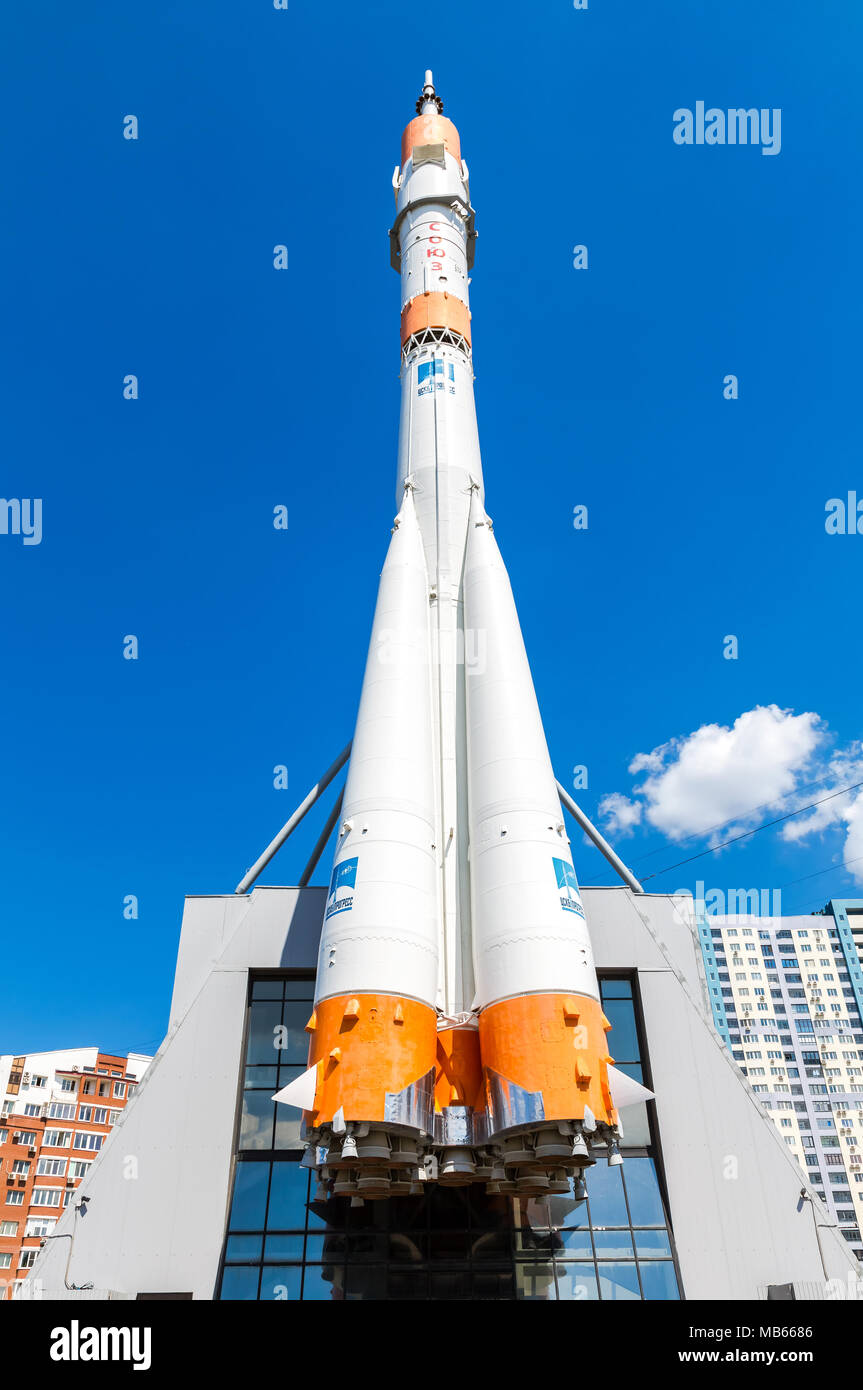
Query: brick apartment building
[[57, 1109]]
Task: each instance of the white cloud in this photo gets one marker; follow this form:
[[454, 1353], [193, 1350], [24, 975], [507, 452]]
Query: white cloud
[[619, 813], [722, 779], [721, 774], [649, 762], [846, 810], [853, 849]]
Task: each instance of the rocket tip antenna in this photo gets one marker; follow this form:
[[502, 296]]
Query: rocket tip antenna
[[428, 99]]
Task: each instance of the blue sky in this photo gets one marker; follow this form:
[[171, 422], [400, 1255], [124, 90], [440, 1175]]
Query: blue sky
[[601, 387]]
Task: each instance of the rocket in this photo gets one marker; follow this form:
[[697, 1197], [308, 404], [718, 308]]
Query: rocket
[[457, 1034]]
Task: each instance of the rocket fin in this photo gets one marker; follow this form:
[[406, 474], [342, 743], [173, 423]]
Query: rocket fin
[[625, 1091], [301, 1091]]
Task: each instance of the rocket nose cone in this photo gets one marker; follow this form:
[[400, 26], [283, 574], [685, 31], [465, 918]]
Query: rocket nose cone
[[428, 99]]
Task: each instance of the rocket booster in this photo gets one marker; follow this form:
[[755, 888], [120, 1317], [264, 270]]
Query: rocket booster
[[457, 1034]]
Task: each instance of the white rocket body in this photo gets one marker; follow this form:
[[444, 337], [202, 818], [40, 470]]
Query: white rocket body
[[381, 923], [457, 1003], [529, 929]]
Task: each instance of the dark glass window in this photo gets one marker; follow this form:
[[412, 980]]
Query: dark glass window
[[287, 1242]]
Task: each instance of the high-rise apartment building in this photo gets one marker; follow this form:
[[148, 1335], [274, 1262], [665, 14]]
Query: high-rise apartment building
[[787, 998], [56, 1111]]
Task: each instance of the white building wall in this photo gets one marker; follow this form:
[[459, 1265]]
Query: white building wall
[[160, 1187]]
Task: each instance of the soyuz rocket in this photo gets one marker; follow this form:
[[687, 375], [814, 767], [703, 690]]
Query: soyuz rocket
[[457, 1034]]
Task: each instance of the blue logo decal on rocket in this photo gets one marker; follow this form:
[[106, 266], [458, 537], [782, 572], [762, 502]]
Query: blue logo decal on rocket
[[567, 884], [341, 895], [428, 372]]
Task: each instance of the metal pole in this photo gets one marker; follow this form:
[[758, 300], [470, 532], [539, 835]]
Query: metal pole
[[70, 1236], [322, 841], [806, 1197], [601, 844], [259, 865]]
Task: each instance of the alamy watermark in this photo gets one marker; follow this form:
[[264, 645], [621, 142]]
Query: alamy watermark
[[737, 126], [734, 902], [844, 517], [466, 648], [22, 516]]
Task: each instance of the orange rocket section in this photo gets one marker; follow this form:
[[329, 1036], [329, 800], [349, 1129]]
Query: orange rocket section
[[458, 1074], [554, 1044], [365, 1047], [435, 309], [430, 129]]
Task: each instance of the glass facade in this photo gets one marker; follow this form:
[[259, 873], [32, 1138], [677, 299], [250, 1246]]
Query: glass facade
[[282, 1243]]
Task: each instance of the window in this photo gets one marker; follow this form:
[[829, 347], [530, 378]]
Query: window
[[89, 1088], [32, 1110], [46, 1196], [450, 1243], [20, 1167], [119, 1090], [24, 1136], [86, 1139], [39, 1225], [60, 1111], [15, 1197], [67, 1083], [8, 1228], [93, 1114], [79, 1167], [50, 1167], [38, 1081], [27, 1258], [57, 1138], [5, 1259]]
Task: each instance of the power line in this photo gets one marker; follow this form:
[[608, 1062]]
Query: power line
[[708, 830], [746, 833], [740, 815], [818, 872]]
